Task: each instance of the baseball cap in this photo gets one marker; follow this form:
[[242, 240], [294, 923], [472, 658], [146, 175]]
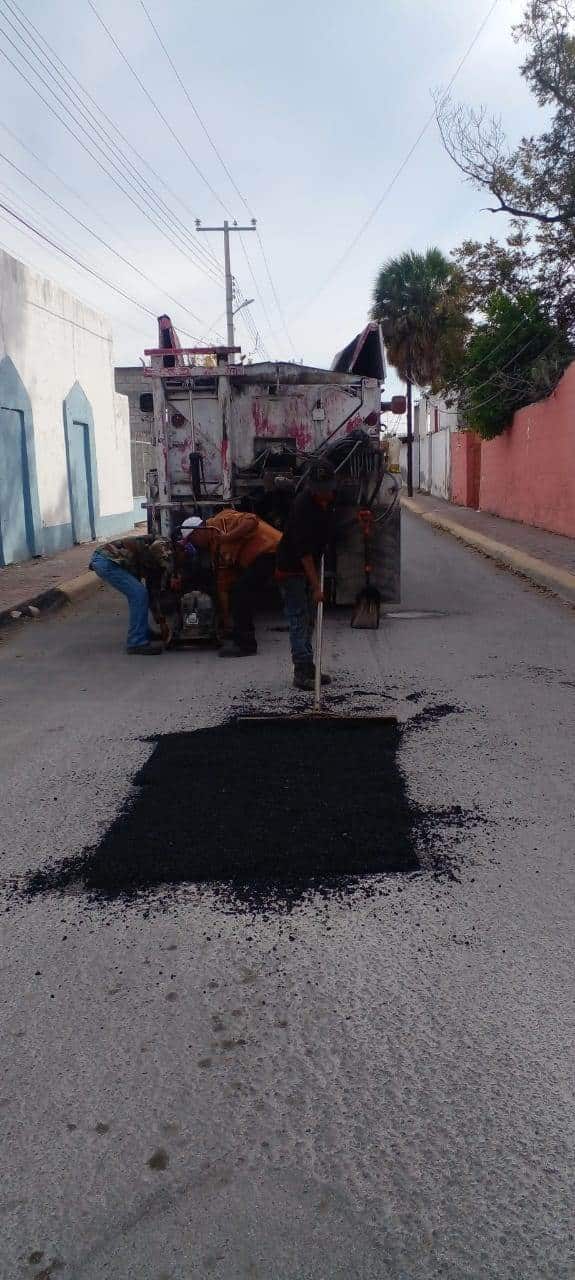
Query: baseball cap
[[192, 522]]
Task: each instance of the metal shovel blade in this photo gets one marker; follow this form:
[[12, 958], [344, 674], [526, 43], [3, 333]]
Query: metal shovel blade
[[366, 610]]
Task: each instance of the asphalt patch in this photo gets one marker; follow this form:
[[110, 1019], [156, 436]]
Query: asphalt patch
[[265, 811], [430, 715]]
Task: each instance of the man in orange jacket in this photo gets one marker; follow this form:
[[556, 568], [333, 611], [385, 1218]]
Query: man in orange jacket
[[242, 543]]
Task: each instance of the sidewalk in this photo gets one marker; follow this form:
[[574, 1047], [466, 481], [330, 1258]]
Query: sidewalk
[[49, 582], [546, 559]]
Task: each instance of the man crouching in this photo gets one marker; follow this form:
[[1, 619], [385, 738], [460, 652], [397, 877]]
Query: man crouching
[[243, 550]]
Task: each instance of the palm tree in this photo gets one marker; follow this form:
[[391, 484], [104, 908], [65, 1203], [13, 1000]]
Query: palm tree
[[420, 298]]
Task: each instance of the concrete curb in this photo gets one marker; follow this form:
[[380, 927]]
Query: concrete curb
[[559, 581], [54, 598], [51, 600]]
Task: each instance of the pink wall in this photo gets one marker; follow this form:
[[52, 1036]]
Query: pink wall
[[528, 473], [465, 468]]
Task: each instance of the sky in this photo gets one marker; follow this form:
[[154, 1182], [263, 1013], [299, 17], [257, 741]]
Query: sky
[[312, 107]]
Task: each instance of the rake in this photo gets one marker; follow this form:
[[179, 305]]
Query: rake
[[317, 712]]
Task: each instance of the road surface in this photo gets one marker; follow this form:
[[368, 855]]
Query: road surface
[[377, 1087]]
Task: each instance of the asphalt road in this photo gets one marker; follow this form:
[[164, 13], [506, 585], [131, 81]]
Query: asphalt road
[[377, 1087]]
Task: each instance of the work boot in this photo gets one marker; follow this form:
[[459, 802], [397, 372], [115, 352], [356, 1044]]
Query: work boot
[[303, 677], [230, 649], [147, 650], [325, 679]]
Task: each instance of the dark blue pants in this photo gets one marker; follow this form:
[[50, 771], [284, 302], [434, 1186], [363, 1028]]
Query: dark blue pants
[[300, 614], [135, 592]]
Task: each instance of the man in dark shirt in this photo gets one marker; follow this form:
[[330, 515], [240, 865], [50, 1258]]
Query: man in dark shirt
[[305, 538]]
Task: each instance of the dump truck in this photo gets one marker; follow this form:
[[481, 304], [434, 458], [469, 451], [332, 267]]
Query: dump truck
[[231, 433]]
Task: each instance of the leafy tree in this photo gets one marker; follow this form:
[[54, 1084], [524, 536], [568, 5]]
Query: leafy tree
[[420, 298], [515, 357], [533, 182]]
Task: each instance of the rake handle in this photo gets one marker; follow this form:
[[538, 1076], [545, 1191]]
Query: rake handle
[[318, 642]]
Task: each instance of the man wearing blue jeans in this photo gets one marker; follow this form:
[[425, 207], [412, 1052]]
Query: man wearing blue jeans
[[304, 541], [123, 565]]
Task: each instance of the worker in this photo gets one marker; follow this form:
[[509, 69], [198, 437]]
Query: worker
[[307, 533], [243, 550], [123, 565], [192, 568]]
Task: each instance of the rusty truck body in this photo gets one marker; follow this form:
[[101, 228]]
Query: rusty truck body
[[228, 433]]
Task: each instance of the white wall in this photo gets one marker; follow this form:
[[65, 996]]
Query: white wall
[[54, 340], [431, 463], [440, 464], [434, 462]]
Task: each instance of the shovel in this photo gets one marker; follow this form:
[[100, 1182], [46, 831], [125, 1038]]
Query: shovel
[[367, 607]]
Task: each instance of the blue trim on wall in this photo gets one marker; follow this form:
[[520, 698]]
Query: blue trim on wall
[[58, 537], [77, 408], [110, 525], [140, 512], [55, 538], [13, 395]]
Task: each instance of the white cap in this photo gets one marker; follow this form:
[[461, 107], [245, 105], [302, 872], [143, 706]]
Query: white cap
[[192, 522]]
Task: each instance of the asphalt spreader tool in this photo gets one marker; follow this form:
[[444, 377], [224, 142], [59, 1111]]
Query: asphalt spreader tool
[[318, 712], [367, 608]]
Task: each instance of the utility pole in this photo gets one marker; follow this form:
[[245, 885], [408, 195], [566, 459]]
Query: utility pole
[[409, 424], [228, 273]]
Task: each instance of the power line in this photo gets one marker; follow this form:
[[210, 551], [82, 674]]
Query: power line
[[71, 190], [100, 239], [497, 393], [231, 179], [494, 349], [192, 249], [389, 188], [84, 266], [513, 358], [139, 329], [24, 207], [203, 126], [183, 248], [155, 106], [41, 40], [274, 291], [255, 283]]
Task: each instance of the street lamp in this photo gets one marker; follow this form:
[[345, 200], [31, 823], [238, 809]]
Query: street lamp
[[247, 302]]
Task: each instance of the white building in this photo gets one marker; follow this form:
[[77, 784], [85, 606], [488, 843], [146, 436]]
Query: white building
[[65, 472], [433, 422], [131, 381]]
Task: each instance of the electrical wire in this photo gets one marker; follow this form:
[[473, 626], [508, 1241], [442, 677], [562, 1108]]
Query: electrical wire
[[275, 294], [141, 330], [203, 126], [185, 242], [398, 172], [102, 279], [494, 349], [182, 247], [512, 360], [40, 40], [158, 109], [489, 399], [254, 281], [100, 239], [231, 179]]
